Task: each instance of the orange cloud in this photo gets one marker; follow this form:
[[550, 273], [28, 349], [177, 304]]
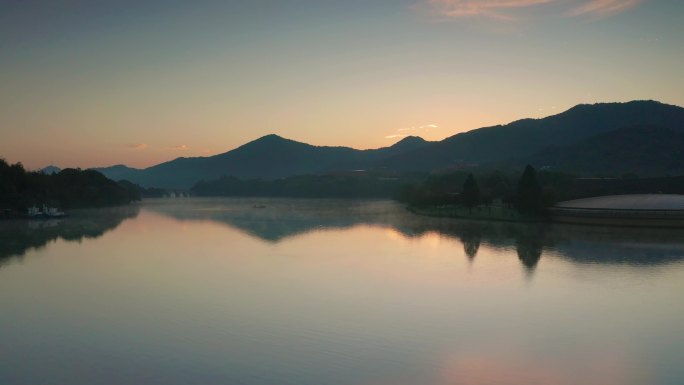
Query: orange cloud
[[502, 9], [603, 8], [182, 147], [487, 8], [136, 146], [414, 130]]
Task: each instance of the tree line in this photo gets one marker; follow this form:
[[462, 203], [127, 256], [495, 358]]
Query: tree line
[[349, 185], [70, 188], [529, 192]]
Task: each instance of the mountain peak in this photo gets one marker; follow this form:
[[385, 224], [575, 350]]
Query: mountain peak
[[270, 138], [268, 143], [408, 142], [51, 169], [411, 139]]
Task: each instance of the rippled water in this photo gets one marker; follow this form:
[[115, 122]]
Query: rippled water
[[316, 292]]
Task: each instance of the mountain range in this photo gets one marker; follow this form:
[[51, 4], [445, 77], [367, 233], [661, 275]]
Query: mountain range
[[643, 137]]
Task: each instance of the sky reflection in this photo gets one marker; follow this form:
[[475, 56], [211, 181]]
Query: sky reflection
[[177, 297]]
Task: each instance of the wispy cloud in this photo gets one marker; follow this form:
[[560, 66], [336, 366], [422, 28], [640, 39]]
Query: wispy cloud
[[413, 130], [506, 9], [182, 147], [603, 8], [136, 146], [497, 9]]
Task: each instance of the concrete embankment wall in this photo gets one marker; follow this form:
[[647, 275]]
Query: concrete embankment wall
[[640, 218]]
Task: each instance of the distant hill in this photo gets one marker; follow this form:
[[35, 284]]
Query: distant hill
[[272, 156], [639, 150], [118, 172], [269, 157], [50, 170], [526, 137]]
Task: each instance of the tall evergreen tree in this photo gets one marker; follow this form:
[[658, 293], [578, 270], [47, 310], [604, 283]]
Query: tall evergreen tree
[[529, 194], [471, 196]]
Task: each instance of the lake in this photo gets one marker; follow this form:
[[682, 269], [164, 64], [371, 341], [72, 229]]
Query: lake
[[340, 292]]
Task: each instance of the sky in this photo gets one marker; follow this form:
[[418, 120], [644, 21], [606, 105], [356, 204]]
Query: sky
[[90, 83]]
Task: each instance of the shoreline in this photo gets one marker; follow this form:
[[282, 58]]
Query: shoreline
[[507, 214], [482, 213]]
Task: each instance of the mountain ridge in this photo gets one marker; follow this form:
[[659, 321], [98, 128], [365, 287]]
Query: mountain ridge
[[272, 156], [524, 137], [268, 157], [635, 150]]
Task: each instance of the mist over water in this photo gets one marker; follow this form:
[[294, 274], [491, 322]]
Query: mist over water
[[223, 291]]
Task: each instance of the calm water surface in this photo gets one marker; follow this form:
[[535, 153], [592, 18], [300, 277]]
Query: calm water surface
[[313, 292]]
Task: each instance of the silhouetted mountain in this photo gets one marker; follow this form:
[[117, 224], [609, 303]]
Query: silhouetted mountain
[[523, 138], [640, 150], [272, 157], [409, 143], [50, 170], [118, 172], [269, 157]]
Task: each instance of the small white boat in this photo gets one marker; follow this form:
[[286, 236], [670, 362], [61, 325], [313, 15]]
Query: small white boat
[[47, 212]]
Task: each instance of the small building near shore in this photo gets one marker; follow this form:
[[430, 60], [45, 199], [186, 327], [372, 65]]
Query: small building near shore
[[652, 210]]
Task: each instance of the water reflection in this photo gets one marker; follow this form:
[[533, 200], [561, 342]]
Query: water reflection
[[471, 242], [218, 291], [529, 245], [273, 220], [282, 219], [19, 236], [286, 218]]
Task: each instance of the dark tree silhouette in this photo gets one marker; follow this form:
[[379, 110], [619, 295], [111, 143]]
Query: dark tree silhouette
[[528, 199], [364, 185], [471, 196], [70, 188], [471, 243], [529, 253]]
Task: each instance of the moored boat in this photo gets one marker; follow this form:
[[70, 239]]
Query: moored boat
[[45, 213]]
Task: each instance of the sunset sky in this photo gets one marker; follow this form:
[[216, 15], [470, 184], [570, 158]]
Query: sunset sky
[[96, 83]]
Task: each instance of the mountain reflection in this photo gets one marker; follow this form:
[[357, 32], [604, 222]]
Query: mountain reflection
[[274, 220], [19, 236]]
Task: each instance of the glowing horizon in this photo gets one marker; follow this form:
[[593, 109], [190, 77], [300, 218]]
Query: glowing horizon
[[96, 84]]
